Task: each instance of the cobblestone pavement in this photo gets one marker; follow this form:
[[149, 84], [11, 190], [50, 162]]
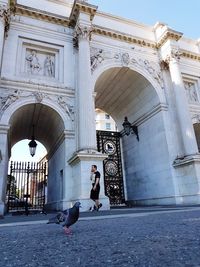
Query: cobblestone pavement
[[143, 239]]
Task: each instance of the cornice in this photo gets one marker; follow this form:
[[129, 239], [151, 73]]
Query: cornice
[[81, 6], [190, 55], [37, 14], [122, 37], [169, 34], [30, 86]]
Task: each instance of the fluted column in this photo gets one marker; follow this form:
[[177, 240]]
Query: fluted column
[[86, 109], [183, 114]]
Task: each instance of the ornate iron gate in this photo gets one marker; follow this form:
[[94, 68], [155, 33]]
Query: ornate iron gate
[[26, 186], [109, 143]]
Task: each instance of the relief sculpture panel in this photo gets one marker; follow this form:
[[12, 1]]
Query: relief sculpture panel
[[38, 63]]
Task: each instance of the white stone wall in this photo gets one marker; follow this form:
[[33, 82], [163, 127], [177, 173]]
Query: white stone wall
[[147, 167]]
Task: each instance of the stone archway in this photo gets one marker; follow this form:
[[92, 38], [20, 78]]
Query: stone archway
[[49, 129], [121, 91]]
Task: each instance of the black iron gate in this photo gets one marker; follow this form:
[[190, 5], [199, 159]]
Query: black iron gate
[[26, 186], [109, 143]]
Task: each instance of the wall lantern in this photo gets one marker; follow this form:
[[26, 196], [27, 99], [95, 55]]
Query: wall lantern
[[130, 129], [32, 144]]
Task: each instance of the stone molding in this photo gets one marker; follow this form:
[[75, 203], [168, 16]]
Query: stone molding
[[37, 14], [65, 102], [123, 37], [169, 34], [81, 6], [99, 56], [190, 55], [86, 155], [185, 160]]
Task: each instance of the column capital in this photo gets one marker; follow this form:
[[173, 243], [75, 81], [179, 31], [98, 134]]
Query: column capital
[[82, 32], [173, 56], [5, 15]]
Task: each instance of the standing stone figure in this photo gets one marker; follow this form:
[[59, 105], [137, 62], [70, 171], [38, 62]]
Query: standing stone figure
[[49, 66], [34, 65]]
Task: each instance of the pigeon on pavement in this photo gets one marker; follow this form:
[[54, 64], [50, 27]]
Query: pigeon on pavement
[[68, 217]]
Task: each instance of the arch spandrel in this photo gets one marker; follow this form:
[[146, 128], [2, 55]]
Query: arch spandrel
[[142, 66], [55, 121], [62, 108]]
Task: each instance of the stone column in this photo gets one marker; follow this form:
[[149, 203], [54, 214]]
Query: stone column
[[4, 24], [3, 165], [183, 114], [86, 109]]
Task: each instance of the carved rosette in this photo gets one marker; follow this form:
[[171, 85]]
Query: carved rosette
[[5, 17], [82, 33]]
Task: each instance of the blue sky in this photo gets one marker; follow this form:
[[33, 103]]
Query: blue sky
[[181, 15]]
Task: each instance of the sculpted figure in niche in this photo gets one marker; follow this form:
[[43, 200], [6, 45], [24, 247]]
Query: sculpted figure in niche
[[191, 92], [33, 61], [49, 67]]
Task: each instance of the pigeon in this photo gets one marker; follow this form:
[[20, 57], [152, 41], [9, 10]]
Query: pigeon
[[68, 217]]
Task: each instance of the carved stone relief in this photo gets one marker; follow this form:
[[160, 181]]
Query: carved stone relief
[[126, 59], [40, 63], [67, 105], [96, 57], [7, 98], [191, 92]]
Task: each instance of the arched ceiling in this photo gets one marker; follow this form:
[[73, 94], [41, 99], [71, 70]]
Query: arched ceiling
[[124, 92], [48, 125]]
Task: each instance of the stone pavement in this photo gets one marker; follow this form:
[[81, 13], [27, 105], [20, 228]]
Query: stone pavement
[[143, 237]]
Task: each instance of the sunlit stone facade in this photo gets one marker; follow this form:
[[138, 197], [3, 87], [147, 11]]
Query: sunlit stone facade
[[61, 60]]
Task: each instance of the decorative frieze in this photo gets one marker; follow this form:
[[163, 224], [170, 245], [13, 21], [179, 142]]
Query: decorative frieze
[[98, 56], [9, 97]]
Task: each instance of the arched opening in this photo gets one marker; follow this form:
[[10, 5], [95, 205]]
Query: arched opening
[[124, 92], [49, 133], [104, 121]]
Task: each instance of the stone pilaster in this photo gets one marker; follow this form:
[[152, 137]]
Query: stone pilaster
[[183, 114], [3, 165]]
